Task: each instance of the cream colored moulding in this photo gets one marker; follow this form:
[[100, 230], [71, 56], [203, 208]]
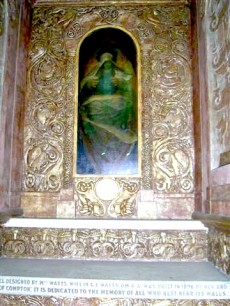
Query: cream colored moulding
[[108, 224]]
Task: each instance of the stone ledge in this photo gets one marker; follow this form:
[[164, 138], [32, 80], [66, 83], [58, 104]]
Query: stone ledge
[[132, 224], [10, 213], [140, 280], [218, 239], [224, 158], [210, 220]]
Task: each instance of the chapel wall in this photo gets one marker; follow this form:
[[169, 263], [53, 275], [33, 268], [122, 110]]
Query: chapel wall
[[213, 21], [213, 24], [14, 36]]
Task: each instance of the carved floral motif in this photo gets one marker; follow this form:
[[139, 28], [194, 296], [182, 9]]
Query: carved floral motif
[[42, 157], [105, 244], [123, 204]]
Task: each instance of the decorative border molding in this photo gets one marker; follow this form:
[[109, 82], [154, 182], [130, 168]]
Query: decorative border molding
[[105, 244]]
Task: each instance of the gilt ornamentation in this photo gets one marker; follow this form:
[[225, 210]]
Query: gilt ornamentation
[[163, 35], [104, 244]]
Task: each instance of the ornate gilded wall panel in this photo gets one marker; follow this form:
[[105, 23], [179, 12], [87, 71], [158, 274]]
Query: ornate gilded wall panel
[[172, 156], [216, 22], [162, 35], [46, 117], [105, 244]]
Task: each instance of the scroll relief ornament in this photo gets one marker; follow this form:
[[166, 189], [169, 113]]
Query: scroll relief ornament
[[45, 118], [106, 197], [113, 244], [42, 157], [172, 154], [163, 35]]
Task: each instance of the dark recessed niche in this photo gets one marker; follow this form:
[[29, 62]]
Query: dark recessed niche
[[107, 139], [106, 40]]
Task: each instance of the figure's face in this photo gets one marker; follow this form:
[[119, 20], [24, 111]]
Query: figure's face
[[108, 65]]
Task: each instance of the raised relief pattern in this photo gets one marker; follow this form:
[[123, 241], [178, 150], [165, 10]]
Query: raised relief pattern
[[105, 244], [46, 119], [167, 142], [106, 197]]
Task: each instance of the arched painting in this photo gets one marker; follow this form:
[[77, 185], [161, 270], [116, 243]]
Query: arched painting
[[107, 137]]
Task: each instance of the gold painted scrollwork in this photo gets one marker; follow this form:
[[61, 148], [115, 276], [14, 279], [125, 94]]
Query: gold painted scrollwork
[[125, 203], [73, 244], [114, 244], [121, 205], [171, 111], [172, 168], [88, 203], [43, 159], [109, 15], [75, 30], [163, 36], [45, 118], [105, 244], [171, 72]]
